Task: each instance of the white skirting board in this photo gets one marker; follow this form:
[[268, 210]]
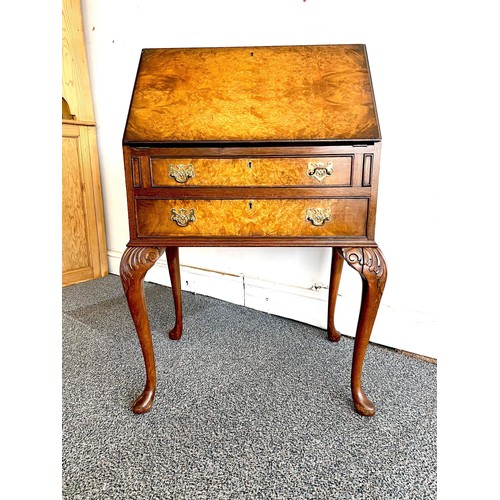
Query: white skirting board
[[399, 328]]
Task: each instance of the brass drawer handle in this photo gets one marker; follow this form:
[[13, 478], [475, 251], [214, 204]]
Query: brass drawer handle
[[181, 173], [317, 216], [319, 170], [183, 217]]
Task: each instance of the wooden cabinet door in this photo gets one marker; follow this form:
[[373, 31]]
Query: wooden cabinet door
[[83, 237]]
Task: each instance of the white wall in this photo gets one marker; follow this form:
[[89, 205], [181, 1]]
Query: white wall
[[405, 48]]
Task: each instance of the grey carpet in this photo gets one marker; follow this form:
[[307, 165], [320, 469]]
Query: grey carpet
[[248, 406]]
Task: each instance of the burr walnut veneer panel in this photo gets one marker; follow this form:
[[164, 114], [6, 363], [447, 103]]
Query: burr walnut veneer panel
[[328, 171], [253, 94], [343, 217]]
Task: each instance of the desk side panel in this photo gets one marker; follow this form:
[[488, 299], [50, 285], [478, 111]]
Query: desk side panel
[[129, 164], [370, 178]]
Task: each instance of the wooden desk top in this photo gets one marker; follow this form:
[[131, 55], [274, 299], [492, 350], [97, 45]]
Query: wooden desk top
[[243, 94]]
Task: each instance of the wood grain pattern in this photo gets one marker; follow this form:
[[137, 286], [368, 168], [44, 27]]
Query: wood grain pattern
[[251, 217], [75, 229], [134, 265], [75, 78], [83, 236], [135, 165], [335, 273], [251, 192], [250, 150], [174, 271], [252, 171], [91, 160], [370, 264], [320, 92], [252, 241], [84, 253]]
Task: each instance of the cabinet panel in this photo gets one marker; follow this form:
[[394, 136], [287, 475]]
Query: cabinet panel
[[74, 222], [83, 235], [82, 245]]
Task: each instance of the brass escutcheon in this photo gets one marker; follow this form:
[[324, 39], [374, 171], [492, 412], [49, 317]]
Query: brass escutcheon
[[319, 170], [183, 217], [317, 216], [181, 173]]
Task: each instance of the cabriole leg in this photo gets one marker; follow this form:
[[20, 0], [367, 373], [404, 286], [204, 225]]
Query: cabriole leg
[[175, 278], [370, 264], [336, 272], [136, 261]]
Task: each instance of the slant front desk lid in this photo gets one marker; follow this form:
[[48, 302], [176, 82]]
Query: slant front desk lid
[[257, 94]]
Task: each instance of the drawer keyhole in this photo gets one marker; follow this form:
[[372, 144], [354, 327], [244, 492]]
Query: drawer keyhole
[[250, 205]]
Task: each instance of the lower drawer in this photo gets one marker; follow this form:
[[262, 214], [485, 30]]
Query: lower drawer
[[341, 217]]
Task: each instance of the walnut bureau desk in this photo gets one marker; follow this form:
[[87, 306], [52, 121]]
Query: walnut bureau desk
[[253, 146]]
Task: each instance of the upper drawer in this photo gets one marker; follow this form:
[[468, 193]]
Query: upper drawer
[[279, 171]]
